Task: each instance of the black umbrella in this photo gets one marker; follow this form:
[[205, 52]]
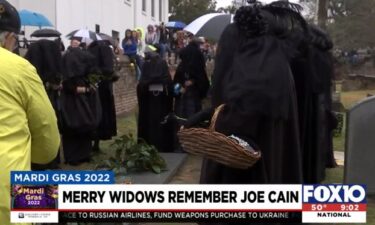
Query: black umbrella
[[210, 25], [86, 35], [106, 37], [46, 33]]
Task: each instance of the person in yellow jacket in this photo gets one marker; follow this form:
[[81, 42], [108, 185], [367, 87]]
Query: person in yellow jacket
[[28, 125]]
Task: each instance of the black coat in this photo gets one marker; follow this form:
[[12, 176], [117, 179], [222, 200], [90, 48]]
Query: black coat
[[45, 56], [313, 68], [155, 105], [260, 106], [104, 64], [192, 67], [81, 112]]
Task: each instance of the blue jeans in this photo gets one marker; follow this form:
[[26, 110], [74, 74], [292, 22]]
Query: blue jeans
[[138, 63], [163, 50]]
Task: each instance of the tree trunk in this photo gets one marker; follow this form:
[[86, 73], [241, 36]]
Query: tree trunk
[[322, 13]]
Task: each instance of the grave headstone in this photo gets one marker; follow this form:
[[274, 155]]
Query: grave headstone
[[360, 145]]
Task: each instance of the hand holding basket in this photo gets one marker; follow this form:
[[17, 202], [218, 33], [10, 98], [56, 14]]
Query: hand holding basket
[[230, 151]]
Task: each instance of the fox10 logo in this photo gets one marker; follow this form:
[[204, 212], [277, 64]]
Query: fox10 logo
[[334, 203]]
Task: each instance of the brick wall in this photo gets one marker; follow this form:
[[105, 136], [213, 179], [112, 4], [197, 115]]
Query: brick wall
[[124, 89]]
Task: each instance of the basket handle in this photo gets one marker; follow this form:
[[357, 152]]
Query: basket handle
[[214, 117]]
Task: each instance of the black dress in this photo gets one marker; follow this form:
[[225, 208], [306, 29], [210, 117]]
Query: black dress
[[155, 102], [313, 68], [81, 112], [193, 68], [104, 63], [45, 56], [261, 107]]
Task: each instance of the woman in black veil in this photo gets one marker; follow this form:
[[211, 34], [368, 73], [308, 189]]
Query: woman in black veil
[[191, 76], [324, 64], [104, 63], [80, 104], [252, 77], [45, 56], [254, 80], [273, 80], [155, 101], [313, 69]]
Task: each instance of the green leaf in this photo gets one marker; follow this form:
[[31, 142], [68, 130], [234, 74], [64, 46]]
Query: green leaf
[[115, 170], [133, 154], [145, 153], [156, 169]]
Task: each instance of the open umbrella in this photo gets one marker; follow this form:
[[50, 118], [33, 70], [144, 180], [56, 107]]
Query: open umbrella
[[87, 36], [106, 37], [210, 25], [30, 18], [175, 25], [46, 33]]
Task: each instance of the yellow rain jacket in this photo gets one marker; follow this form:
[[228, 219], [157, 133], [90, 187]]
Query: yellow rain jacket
[[28, 127]]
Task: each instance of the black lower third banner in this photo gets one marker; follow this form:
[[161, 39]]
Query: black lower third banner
[[180, 216]]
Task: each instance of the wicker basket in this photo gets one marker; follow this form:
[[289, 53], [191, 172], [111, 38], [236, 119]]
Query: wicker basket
[[217, 146]]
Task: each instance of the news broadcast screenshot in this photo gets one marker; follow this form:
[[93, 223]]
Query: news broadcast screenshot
[[195, 112]]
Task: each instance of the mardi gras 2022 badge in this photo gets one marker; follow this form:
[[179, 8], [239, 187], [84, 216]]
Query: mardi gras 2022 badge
[[34, 196]]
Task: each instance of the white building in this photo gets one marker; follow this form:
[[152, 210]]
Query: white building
[[112, 17]]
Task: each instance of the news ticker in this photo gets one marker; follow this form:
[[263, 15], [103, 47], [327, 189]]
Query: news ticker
[[93, 196]]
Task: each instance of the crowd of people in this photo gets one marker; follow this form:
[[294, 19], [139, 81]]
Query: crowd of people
[[273, 74], [169, 41], [162, 100], [355, 57], [79, 83]]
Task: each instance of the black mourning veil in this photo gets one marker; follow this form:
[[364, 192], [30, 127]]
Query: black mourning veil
[[252, 66]]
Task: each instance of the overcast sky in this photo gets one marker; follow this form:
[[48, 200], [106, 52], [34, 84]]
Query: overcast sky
[[223, 3]]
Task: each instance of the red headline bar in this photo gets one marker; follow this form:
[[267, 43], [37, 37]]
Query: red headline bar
[[335, 207], [160, 210]]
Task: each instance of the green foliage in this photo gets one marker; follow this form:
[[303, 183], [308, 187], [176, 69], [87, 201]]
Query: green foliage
[[352, 23], [230, 9], [349, 22], [340, 125], [131, 155], [188, 10], [94, 78]]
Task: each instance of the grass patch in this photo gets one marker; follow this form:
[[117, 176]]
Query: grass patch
[[335, 175], [126, 124], [350, 98], [339, 141]]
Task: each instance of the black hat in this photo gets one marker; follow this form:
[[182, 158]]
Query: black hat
[[9, 18]]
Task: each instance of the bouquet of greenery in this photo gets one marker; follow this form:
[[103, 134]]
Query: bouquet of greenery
[[133, 155]]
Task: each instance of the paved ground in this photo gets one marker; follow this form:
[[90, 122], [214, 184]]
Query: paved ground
[[190, 172], [340, 157]]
